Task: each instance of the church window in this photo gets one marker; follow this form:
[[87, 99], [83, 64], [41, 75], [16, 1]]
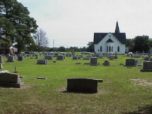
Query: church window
[[112, 48], [118, 49], [109, 48], [101, 48]]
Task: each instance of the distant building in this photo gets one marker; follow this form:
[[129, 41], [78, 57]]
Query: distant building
[[110, 42]]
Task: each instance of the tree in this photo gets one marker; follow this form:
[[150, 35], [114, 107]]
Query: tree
[[90, 47], [141, 43], [150, 43], [130, 44], [18, 25], [62, 49], [41, 38]]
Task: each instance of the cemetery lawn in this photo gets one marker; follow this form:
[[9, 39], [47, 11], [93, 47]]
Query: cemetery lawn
[[123, 91]]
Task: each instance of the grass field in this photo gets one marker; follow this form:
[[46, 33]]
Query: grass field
[[118, 94]]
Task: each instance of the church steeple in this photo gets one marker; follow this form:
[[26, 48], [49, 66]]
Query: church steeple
[[117, 28]]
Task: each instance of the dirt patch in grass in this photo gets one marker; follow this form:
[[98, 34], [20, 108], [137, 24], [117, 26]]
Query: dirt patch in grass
[[142, 82], [24, 86], [100, 91]]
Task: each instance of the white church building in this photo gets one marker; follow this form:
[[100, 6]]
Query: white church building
[[110, 42]]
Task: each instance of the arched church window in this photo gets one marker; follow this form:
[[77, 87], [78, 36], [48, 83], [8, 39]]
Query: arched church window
[[109, 48], [118, 48], [101, 48], [112, 48]]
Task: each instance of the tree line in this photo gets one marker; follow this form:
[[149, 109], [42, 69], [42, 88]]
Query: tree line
[[139, 44]]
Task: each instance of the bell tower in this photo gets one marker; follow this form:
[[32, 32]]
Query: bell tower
[[117, 30]]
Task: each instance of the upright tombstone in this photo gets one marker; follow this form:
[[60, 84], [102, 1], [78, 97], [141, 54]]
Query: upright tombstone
[[136, 55], [75, 57], [86, 57], [146, 58], [106, 63], [60, 57], [139, 62], [42, 61], [9, 79], [82, 85], [68, 54], [48, 57], [99, 55], [20, 58], [93, 61], [131, 62], [147, 66], [10, 58], [111, 56]]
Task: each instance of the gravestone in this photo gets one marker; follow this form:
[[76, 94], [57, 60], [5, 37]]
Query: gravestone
[[139, 62], [147, 66], [60, 57], [82, 85], [9, 79], [131, 62], [48, 57], [68, 54], [10, 58], [99, 55], [20, 58], [136, 55], [106, 63], [75, 57], [93, 61], [130, 54], [112, 56], [86, 58], [42, 61], [146, 58]]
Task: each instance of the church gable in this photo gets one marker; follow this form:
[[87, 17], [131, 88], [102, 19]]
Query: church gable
[[100, 36], [109, 38], [110, 42], [121, 37]]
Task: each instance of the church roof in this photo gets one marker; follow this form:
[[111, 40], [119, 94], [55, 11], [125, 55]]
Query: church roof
[[99, 36], [120, 36]]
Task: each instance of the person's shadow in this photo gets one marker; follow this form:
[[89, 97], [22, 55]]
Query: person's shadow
[[142, 110]]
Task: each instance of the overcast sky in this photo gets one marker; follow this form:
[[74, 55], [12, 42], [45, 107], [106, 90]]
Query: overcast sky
[[73, 22]]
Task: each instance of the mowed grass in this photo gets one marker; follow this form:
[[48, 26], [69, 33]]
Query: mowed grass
[[116, 95]]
